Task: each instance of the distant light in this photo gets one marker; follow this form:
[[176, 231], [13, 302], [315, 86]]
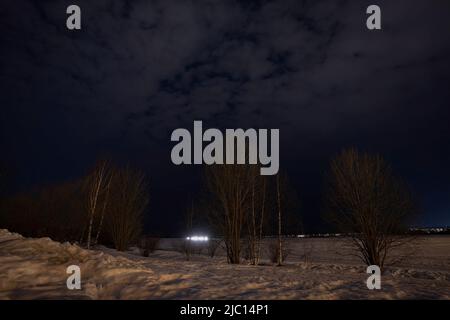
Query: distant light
[[197, 238]]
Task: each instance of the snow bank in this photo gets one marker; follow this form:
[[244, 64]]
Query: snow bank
[[36, 269]]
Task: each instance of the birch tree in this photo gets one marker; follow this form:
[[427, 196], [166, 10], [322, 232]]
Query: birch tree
[[98, 189]]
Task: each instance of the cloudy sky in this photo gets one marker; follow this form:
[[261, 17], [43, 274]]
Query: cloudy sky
[[137, 70]]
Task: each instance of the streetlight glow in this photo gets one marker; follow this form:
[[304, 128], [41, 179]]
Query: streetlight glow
[[197, 238]]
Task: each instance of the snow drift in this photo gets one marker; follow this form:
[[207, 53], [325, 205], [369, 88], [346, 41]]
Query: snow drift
[[36, 269]]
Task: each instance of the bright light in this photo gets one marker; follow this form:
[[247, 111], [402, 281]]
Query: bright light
[[197, 238]]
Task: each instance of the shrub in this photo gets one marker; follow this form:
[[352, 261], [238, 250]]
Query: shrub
[[273, 250], [213, 245], [148, 245], [129, 198]]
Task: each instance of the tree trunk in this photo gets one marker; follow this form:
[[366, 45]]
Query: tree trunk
[[280, 246]]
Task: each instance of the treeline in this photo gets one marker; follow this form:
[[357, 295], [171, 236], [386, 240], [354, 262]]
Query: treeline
[[106, 206], [363, 198]]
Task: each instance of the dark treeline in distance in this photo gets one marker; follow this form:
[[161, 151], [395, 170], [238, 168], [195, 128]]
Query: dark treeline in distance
[[237, 205]]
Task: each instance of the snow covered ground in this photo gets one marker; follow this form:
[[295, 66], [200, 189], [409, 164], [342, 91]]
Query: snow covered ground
[[317, 269]]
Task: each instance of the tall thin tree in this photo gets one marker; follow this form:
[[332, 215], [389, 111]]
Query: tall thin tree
[[280, 244], [98, 190]]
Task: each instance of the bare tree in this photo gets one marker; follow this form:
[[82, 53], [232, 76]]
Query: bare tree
[[57, 211], [231, 187], [213, 245], [280, 245], [261, 220], [367, 201], [255, 221], [286, 218], [128, 200], [273, 250], [186, 246], [98, 187]]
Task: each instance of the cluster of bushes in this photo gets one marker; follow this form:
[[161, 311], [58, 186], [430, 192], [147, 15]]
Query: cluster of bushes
[[271, 249], [148, 245], [54, 211]]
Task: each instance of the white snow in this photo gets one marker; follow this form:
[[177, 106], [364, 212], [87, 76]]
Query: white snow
[[317, 269]]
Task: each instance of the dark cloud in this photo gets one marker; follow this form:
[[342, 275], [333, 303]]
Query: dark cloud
[[139, 69]]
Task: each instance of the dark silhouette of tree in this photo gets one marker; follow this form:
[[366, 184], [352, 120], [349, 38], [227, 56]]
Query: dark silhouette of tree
[[55, 211], [128, 200], [98, 185], [231, 189], [367, 201], [244, 206]]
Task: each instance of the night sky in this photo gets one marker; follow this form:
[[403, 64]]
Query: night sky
[[137, 70]]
